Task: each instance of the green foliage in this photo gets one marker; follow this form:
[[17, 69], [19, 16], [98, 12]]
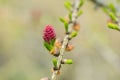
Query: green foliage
[[65, 23], [62, 20], [113, 26], [48, 46], [105, 10], [73, 34], [66, 26], [68, 61], [54, 61], [112, 16], [111, 12], [68, 5], [80, 13], [112, 7], [52, 42], [70, 16], [81, 3]]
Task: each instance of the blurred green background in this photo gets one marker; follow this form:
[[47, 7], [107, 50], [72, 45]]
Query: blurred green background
[[23, 57]]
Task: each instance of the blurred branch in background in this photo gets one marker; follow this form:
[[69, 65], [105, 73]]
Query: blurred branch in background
[[104, 50], [112, 12], [98, 4]]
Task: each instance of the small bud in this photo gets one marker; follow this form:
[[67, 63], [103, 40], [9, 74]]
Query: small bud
[[73, 34], [54, 61], [57, 71], [113, 26], [67, 61], [65, 23], [58, 43], [54, 52], [67, 19], [68, 5], [113, 8], [79, 13], [109, 21], [48, 46], [112, 16], [45, 78], [76, 27], [81, 3], [69, 47]]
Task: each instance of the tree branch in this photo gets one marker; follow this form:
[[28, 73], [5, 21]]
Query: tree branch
[[66, 38]]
